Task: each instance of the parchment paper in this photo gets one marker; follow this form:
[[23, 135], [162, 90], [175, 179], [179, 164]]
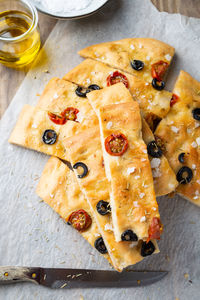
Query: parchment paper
[[31, 233]]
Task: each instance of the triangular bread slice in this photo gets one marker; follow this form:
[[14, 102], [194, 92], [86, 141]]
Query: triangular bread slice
[[164, 177], [132, 194], [86, 148], [179, 133], [120, 54], [58, 187], [154, 104]]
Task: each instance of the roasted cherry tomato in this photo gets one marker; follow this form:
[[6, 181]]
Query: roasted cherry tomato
[[173, 100], [116, 144], [155, 229], [158, 70], [70, 113], [60, 120], [116, 77], [80, 220]]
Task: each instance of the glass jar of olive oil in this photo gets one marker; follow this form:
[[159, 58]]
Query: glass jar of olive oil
[[19, 33]]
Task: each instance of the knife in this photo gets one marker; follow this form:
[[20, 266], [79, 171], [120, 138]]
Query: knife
[[78, 278]]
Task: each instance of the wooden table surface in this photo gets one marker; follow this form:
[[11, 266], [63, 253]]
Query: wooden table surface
[[11, 79]]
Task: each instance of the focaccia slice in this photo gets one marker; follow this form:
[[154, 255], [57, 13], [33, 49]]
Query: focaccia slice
[[179, 133], [85, 148], [154, 104], [164, 177], [136, 56], [58, 187], [33, 122], [133, 200]]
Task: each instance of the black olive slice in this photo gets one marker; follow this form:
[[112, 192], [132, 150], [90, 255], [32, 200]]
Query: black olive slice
[[181, 157], [49, 137], [100, 246], [94, 87], [82, 165], [137, 64], [103, 208], [79, 92], [158, 85], [196, 114], [147, 248], [184, 175], [129, 235], [154, 150]]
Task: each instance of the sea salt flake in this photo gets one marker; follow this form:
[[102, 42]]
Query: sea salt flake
[[92, 73], [144, 151], [196, 125], [154, 208], [108, 227], [88, 80], [130, 170], [194, 144], [198, 141], [140, 46], [155, 163], [174, 129], [132, 47], [109, 125], [51, 195], [141, 195], [55, 96], [193, 166], [34, 126], [146, 83], [168, 57], [137, 177], [195, 197], [135, 203], [148, 58], [143, 219], [96, 54], [171, 186]]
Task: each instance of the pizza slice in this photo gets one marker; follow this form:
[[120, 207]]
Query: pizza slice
[[133, 200], [87, 160], [146, 58], [164, 177], [179, 135], [154, 104], [58, 187]]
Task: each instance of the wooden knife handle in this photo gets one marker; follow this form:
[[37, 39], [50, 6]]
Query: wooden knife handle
[[19, 274]]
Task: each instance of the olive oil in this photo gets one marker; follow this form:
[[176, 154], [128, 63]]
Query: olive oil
[[19, 38]]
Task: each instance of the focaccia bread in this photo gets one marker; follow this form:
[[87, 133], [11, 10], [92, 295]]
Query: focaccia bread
[[179, 134], [58, 187], [85, 150], [63, 119], [154, 104], [164, 177], [136, 56], [133, 200]]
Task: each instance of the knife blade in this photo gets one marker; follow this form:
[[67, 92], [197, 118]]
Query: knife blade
[[79, 278]]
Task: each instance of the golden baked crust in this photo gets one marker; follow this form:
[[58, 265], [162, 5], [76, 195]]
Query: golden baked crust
[[163, 175], [118, 54], [58, 187], [32, 122], [132, 195], [153, 104], [180, 133], [86, 148]]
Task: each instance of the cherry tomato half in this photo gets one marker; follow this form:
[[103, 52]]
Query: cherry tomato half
[[70, 113], [173, 100], [116, 144], [60, 120], [117, 77], [80, 220], [158, 70], [155, 229]]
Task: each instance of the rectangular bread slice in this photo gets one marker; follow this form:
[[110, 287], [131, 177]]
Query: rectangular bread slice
[[179, 133], [58, 187], [86, 148], [154, 104], [164, 177], [128, 169]]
